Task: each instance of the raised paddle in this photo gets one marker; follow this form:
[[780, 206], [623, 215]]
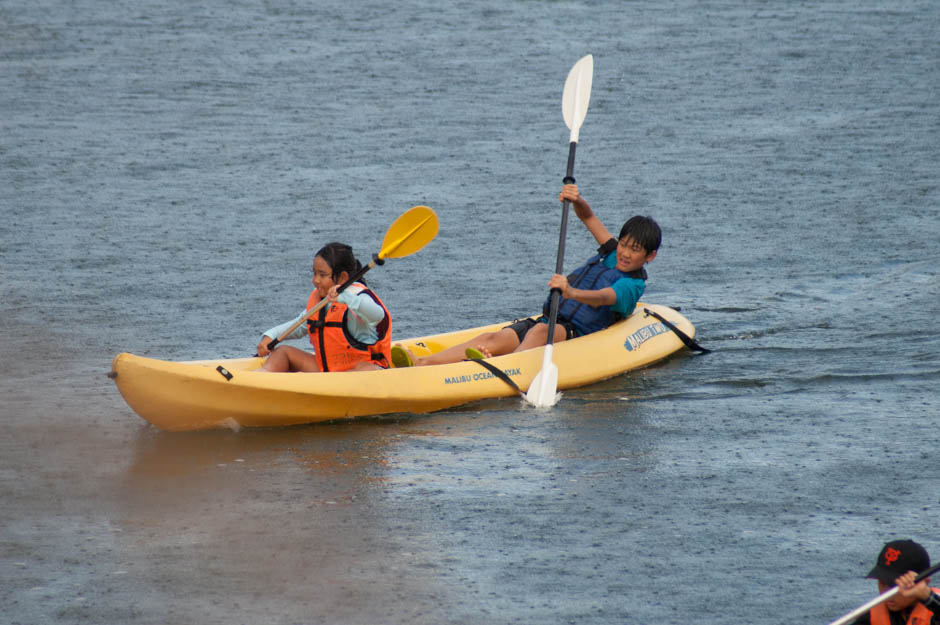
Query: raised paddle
[[574, 105], [409, 233], [857, 612]]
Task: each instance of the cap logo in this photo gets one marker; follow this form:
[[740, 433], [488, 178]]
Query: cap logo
[[891, 556]]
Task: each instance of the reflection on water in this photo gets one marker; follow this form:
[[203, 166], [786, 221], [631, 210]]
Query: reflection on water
[[316, 447], [335, 461]]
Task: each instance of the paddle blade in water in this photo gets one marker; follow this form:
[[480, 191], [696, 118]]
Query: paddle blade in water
[[577, 94], [412, 231], [543, 390]]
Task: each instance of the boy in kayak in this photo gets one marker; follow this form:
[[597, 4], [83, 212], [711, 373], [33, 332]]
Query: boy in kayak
[[899, 562], [603, 290], [351, 333]]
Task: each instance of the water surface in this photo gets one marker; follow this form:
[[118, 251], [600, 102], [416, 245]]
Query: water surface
[[167, 171]]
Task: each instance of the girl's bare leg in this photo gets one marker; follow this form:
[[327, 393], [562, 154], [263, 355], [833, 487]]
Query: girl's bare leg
[[365, 366], [287, 358]]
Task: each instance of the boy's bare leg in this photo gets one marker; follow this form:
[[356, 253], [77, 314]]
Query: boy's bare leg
[[492, 343], [538, 336]]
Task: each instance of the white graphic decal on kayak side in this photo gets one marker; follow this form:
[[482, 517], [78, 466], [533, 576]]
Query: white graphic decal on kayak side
[[644, 334]]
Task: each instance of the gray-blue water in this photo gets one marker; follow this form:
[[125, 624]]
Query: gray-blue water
[[167, 170]]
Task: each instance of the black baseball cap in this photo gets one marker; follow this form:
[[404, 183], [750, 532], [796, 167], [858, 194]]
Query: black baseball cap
[[897, 558]]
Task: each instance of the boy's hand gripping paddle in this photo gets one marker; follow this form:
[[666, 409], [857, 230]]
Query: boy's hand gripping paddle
[[409, 233], [574, 106]]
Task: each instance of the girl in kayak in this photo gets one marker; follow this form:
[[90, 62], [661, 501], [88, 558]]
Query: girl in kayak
[[353, 332], [603, 290]]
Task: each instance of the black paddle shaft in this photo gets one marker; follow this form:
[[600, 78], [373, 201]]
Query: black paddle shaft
[[560, 260], [927, 573]]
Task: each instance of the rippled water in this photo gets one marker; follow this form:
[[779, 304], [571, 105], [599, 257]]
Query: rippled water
[[167, 171]]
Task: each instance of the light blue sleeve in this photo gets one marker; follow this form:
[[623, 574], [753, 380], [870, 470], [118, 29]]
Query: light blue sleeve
[[365, 314], [299, 333], [629, 291]]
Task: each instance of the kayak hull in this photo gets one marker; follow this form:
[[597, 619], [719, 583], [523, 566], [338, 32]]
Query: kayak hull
[[230, 393]]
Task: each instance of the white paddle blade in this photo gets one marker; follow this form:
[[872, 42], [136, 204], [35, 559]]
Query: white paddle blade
[[577, 95], [543, 390]]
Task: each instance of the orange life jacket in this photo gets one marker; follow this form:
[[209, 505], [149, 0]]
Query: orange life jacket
[[920, 615], [336, 348]]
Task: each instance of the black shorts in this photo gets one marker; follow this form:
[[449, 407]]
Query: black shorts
[[522, 327]]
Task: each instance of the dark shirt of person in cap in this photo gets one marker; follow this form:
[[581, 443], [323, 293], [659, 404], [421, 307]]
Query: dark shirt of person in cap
[[899, 562]]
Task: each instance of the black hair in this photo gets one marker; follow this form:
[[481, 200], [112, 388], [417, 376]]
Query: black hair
[[643, 230], [340, 258]]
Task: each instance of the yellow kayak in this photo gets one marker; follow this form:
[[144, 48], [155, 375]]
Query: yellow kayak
[[230, 393]]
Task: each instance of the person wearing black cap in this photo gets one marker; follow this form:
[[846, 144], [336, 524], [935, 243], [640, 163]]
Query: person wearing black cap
[[899, 562]]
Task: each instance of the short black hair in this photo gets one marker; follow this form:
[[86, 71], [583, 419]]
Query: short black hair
[[643, 230]]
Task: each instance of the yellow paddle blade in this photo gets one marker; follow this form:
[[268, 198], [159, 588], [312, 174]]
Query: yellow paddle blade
[[413, 230]]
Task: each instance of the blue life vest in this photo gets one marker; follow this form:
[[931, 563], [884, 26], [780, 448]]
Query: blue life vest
[[592, 276]]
